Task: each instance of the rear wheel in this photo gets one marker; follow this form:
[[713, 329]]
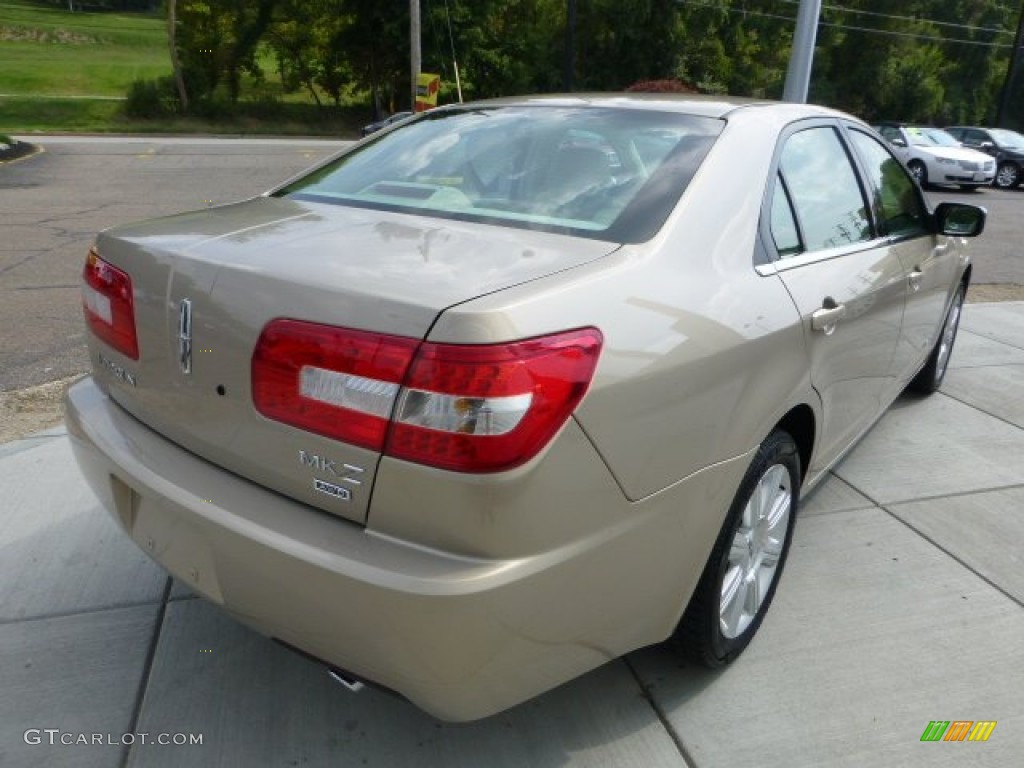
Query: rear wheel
[[1008, 175], [916, 167], [739, 580], [929, 379]]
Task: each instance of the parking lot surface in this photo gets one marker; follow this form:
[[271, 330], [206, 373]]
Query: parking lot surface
[[902, 604]]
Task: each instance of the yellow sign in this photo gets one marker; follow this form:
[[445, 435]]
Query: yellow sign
[[427, 86]]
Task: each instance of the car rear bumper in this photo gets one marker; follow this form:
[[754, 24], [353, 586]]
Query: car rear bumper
[[460, 637]]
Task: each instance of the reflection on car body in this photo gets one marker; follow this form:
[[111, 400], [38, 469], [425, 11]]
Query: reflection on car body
[[517, 387]]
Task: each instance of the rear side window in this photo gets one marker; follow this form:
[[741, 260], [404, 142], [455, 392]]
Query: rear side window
[[784, 230], [823, 188], [896, 199], [889, 133], [611, 174]]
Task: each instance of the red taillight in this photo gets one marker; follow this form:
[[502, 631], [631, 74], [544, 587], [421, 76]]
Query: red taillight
[[109, 305], [492, 407], [333, 381], [479, 408]]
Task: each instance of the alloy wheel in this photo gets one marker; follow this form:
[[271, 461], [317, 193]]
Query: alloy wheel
[[1007, 176], [755, 552]]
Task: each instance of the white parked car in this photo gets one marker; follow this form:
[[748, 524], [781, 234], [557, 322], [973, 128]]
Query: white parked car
[[935, 157]]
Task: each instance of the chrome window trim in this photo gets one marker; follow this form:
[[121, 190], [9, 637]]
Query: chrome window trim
[[786, 263]]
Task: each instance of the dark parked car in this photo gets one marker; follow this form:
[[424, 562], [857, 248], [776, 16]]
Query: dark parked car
[[381, 124], [1007, 147]]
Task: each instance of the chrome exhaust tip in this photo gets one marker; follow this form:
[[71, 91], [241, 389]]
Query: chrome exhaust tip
[[341, 676]]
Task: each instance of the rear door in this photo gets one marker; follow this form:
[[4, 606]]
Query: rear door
[[846, 280]]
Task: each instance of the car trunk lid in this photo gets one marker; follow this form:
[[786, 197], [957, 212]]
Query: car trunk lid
[[207, 283]]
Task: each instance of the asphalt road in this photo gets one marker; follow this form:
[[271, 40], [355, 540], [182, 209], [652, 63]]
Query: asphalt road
[[52, 204], [999, 253]]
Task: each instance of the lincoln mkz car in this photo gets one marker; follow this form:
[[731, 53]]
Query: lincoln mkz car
[[935, 157], [517, 387]]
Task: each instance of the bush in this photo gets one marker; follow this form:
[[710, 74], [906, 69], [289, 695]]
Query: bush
[[151, 99]]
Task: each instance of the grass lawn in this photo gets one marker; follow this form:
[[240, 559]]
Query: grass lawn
[[25, 114], [45, 50], [62, 71]]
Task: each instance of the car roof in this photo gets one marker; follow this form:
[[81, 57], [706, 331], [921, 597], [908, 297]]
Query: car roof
[[902, 124], [703, 105]]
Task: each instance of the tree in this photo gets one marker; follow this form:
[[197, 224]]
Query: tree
[[218, 41], [939, 60], [172, 44]]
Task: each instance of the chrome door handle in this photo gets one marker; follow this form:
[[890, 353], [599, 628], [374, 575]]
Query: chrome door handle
[[915, 279], [826, 318]]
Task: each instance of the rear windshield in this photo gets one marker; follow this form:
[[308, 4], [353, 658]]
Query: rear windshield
[[609, 174]]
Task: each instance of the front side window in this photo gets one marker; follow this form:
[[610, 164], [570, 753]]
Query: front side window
[[1007, 139], [921, 136], [824, 190], [896, 198], [589, 171]]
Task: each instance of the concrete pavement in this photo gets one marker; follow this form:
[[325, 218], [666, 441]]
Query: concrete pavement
[[902, 603]]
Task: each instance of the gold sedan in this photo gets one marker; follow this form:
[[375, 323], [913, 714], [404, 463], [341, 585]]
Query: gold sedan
[[513, 388]]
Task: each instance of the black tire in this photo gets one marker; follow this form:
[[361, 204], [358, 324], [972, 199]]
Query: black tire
[[919, 172], [929, 378], [704, 634], [1007, 176]]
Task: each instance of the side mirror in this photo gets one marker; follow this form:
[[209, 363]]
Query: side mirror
[[987, 145], [960, 219], [898, 143]]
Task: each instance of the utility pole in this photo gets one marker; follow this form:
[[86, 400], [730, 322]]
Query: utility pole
[[798, 75], [172, 43], [414, 46], [1010, 83], [570, 45]]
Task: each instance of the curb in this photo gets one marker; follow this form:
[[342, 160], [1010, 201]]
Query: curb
[[16, 151]]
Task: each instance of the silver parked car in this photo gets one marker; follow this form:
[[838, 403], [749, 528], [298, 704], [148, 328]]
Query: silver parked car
[[383, 123], [518, 387], [936, 157]]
